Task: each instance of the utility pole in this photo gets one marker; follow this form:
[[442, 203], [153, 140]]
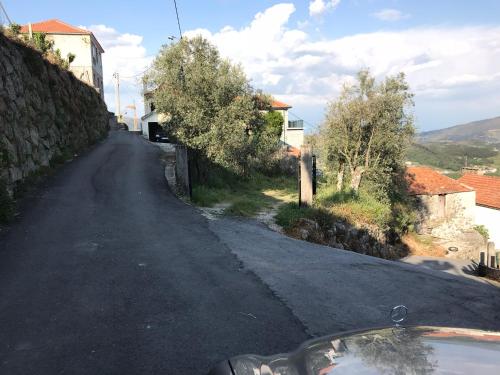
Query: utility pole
[[116, 76]]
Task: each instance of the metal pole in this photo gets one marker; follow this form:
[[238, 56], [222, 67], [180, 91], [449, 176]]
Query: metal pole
[[116, 75], [314, 174]]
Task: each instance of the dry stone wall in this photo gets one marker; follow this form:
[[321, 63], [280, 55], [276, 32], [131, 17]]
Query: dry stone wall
[[46, 113]]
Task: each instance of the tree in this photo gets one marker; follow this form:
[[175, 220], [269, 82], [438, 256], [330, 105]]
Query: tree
[[274, 123], [211, 106], [368, 129], [42, 43]]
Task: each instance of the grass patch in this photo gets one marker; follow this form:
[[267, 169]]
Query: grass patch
[[247, 197], [289, 214], [354, 207]]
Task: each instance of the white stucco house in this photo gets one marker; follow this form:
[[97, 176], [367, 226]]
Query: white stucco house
[[292, 135], [487, 202], [87, 65], [293, 129], [150, 122]]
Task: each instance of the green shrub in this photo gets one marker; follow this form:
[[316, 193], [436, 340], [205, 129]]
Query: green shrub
[[483, 231]]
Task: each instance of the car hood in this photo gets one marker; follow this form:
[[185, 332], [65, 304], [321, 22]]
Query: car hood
[[414, 350]]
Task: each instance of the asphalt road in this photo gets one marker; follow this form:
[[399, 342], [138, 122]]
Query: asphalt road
[[106, 272], [331, 290]]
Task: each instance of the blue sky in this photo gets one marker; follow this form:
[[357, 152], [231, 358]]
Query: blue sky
[[303, 51]]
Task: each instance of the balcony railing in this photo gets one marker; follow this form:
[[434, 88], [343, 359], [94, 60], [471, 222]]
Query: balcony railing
[[296, 124]]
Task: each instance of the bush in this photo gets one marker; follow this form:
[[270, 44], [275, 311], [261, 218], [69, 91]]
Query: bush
[[483, 231]]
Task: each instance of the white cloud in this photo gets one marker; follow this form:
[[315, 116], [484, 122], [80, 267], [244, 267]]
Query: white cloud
[[390, 15], [448, 65], [125, 54], [319, 7]]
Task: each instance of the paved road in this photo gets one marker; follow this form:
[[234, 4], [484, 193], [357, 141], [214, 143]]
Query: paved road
[[107, 273], [331, 290]]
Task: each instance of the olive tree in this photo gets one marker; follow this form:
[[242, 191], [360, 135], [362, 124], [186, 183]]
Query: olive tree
[[368, 129], [211, 106]]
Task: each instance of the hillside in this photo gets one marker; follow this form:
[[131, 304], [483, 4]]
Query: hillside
[[479, 131], [454, 155]]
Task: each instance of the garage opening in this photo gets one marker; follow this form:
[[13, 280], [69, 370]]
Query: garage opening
[[153, 129]]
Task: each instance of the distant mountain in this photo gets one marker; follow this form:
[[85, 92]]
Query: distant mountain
[[479, 131]]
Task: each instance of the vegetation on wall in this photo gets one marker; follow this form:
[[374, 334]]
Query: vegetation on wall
[[40, 43]]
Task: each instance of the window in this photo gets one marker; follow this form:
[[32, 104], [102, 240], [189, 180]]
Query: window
[[296, 124], [152, 106]]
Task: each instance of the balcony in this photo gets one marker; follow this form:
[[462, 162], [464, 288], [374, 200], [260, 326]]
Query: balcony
[[296, 124]]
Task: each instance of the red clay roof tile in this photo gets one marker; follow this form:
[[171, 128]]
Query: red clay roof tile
[[54, 26], [276, 104], [427, 181], [487, 189]]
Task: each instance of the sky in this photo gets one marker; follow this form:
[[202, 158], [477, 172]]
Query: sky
[[303, 51]]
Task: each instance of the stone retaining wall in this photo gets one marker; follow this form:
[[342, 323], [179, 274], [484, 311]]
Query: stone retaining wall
[[46, 113]]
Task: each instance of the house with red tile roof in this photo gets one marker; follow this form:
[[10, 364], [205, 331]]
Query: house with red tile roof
[[87, 65], [487, 202], [447, 206], [292, 135]]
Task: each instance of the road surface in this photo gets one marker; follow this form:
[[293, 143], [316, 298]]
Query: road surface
[[106, 272]]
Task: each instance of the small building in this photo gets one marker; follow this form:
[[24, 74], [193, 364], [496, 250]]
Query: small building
[[87, 65], [150, 122], [447, 206], [487, 210], [293, 130]]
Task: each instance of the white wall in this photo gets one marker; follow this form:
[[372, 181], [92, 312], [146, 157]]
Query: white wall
[[490, 218], [83, 67], [291, 136]]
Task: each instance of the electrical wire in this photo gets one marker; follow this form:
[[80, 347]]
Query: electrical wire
[[178, 21], [5, 12]]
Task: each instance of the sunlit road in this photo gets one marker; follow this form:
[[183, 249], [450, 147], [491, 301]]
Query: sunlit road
[[106, 272]]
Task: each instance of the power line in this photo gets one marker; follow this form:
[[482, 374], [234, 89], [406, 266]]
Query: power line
[[5, 12], [178, 22]]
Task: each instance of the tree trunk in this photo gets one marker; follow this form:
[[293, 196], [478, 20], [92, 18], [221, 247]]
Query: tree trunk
[[356, 175], [340, 176]]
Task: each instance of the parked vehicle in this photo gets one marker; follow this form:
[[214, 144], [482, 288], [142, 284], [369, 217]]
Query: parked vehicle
[[394, 350], [161, 137], [415, 350]]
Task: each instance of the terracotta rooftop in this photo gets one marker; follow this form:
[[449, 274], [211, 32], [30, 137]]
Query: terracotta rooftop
[[276, 104], [487, 189], [55, 26], [427, 181]]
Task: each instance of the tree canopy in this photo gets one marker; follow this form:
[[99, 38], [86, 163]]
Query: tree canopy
[[211, 106], [368, 129]]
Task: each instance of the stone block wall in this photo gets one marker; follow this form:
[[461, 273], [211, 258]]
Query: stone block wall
[[45, 113]]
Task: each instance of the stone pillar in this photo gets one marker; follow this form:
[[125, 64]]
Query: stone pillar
[[490, 252], [182, 170], [306, 178]]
